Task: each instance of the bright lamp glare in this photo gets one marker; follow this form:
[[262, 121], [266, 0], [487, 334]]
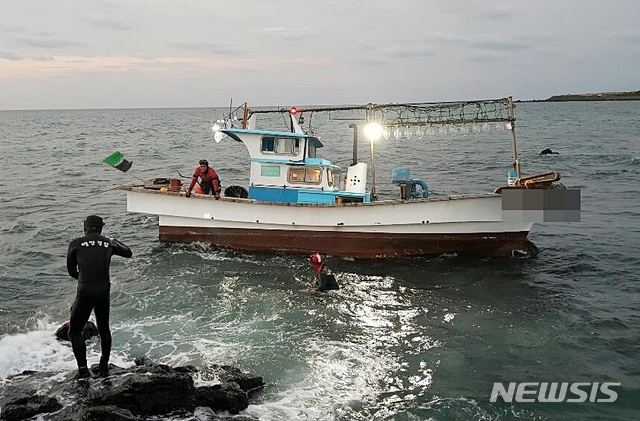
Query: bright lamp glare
[[373, 131], [218, 136]]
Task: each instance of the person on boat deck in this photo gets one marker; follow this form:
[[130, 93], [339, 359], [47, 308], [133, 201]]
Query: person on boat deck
[[89, 331], [209, 181], [88, 261], [325, 280]]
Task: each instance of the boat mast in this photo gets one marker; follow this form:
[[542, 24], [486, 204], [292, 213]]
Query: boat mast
[[370, 116], [355, 143], [245, 115], [512, 125]]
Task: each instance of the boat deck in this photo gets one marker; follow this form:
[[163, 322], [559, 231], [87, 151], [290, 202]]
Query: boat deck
[[154, 190]]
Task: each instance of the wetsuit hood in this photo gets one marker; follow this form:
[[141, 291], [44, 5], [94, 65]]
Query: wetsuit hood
[[316, 261], [93, 223]]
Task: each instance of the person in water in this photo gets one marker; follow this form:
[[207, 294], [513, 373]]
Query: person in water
[[89, 331], [209, 181], [88, 261], [325, 280]]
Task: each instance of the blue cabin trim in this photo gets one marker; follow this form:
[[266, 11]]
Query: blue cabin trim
[[318, 162], [308, 196], [284, 161], [273, 194]]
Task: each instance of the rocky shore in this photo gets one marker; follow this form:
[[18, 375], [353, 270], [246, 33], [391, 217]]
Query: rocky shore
[[598, 96], [129, 394]]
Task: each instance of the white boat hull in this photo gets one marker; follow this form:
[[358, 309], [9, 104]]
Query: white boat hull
[[464, 224]]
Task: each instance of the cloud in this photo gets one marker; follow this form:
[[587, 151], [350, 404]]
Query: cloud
[[286, 33], [106, 22], [66, 64], [223, 50], [12, 30], [273, 30], [630, 36], [5, 55], [397, 49], [46, 42], [498, 13], [480, 10], [409, 50], [485, 42]]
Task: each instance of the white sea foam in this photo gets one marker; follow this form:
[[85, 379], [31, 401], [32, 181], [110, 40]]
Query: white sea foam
[[39, 350], [36, 350], [339, 376]]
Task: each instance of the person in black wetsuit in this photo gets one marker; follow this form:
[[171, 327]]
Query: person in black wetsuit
[[325, 280], [88, 261]]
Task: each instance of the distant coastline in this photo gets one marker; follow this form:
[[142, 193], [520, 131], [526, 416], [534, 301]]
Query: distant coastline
[[599, 96]]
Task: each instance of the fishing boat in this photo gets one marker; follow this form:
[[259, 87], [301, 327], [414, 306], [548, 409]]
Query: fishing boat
[[299, 202]]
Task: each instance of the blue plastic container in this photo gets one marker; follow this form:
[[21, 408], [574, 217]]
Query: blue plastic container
[[401, 176]]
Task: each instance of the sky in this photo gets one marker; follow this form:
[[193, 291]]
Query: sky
[[204, 53]]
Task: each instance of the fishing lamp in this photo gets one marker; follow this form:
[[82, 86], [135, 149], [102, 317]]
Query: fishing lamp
[[217, 134], [373, 132]]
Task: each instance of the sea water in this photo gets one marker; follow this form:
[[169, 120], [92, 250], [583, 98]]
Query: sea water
[[406, 339]]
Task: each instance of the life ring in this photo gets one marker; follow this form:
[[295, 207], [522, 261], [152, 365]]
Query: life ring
[[236, 191], [414, 191]]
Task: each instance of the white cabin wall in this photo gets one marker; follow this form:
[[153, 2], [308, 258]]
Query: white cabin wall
[[257, 179]]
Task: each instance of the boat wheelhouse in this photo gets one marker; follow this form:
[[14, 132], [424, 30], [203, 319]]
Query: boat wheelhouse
[[285, 169]]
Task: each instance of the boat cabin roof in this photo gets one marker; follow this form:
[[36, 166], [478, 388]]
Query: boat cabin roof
[[236, 133]]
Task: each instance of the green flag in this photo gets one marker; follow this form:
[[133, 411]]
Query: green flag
[[116, 160]]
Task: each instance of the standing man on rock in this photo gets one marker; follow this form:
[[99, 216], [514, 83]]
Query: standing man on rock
[[88, 261]]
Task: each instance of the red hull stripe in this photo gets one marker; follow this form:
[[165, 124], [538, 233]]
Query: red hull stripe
[[350, 244]]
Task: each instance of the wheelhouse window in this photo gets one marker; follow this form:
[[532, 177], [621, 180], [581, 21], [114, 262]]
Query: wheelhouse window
[[280, 145], [305, 175], [330, 177], [311, 149], [268, 145]]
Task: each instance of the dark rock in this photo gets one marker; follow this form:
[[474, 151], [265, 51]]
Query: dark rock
[[154, 394], [125, 394], [15, 396], [25, 407], [248, 382], [156, 367], [151, 365], [24, 373], [185, 369], [94, 413], [227, 396]]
